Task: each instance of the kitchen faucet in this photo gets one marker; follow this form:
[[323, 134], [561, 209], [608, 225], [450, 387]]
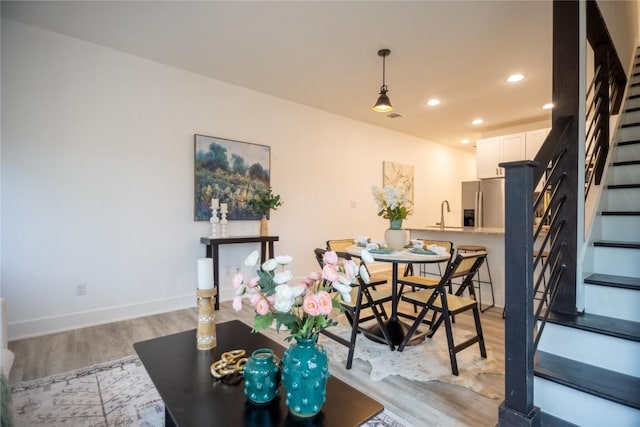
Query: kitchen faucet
[[441, 223]]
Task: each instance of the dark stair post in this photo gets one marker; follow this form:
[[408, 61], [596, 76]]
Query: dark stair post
[[566, 73], [517, 408]]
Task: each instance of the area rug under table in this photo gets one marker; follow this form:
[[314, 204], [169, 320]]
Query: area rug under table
[[118, 393], [427, 361]]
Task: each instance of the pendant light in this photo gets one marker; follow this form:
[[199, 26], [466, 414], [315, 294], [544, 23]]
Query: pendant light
[[383, 105]]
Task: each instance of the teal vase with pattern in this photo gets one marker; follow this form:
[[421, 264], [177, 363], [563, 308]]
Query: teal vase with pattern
[[305, 371], [261, 376]]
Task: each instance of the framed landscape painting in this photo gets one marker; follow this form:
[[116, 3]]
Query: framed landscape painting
[[231, 171]]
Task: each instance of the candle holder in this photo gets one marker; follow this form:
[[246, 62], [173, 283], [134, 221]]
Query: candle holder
[[224, 223], [206, 333], [214, 222]]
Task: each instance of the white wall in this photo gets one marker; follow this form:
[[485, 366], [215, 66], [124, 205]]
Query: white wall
[[622, 23], [97, 179]]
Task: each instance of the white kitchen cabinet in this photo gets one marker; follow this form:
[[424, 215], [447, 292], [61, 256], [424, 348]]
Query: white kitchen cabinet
[[492, 151], [513, 147], [487, 157], [533, 141]]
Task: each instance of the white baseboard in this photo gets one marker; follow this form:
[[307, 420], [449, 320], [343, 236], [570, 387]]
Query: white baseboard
[[82, 319]]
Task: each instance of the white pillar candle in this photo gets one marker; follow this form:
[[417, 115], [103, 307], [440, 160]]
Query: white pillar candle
[[205, 273], [214, 203], [223, 207]]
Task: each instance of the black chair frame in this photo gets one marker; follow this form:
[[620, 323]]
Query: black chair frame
[[443, 312], [364, 300]]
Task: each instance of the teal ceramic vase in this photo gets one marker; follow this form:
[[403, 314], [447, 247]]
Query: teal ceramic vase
[[261, 376], [305, 371], [395, 224]]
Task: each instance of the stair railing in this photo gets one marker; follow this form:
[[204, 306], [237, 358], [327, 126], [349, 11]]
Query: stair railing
[[594, 129], [551, 249], [522, 330], [553, 276], [604, 97]]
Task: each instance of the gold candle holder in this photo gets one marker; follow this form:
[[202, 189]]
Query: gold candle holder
[[206, 334]]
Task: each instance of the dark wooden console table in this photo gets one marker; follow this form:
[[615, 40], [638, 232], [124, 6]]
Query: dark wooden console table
[[213, 248]]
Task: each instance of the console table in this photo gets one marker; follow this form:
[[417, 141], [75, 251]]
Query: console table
[[192, 397], [213, 248]]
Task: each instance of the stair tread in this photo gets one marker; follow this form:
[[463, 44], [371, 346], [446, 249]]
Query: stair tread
[[632, 110], [617, 244], [626, 282], [626, 163], [631, 142], [623, 213], [622, 186], [630, 125], [611, 385], [618, 328]]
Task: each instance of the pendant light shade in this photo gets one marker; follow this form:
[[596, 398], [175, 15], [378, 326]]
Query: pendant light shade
[[383, 105]]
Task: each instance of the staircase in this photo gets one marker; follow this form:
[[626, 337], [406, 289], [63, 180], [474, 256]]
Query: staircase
[[587, 367]]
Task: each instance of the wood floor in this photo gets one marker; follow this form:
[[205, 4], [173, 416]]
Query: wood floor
[[422, 403]]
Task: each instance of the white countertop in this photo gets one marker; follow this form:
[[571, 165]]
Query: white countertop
[[465, 230]]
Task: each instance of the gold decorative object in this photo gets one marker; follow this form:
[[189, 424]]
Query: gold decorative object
[[264, 226], [230, 363], [206, 334]]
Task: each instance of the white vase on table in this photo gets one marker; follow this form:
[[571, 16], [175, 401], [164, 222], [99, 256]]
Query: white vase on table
[[395, 236]]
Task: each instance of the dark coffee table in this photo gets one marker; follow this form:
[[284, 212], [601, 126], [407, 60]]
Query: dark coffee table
[[192, 397]]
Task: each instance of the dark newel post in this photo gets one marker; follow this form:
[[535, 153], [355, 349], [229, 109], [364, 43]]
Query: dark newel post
[[566, 96], [517, 408]]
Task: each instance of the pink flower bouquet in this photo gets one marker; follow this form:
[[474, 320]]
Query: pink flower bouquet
[[302, 309]]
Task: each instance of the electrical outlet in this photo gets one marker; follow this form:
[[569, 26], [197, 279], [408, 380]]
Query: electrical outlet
[[81, 289], [230, 272]]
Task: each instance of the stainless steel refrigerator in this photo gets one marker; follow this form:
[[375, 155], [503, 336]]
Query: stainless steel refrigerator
[[483, 203]]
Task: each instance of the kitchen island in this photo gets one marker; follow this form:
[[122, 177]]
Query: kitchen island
[[491, 238]]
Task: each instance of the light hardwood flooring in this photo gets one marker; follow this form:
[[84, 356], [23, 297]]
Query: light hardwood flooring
[[422, 403]]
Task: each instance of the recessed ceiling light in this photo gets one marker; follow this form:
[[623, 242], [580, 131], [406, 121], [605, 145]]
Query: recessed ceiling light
[[515, 78], [433, 101], [464, 141], [547, 106], [477, 122]]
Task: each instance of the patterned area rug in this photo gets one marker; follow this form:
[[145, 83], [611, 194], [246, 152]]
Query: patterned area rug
[[426, 361], [118, 393]]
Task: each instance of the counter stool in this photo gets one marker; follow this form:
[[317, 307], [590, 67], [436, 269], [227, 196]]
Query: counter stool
[[479, 280]]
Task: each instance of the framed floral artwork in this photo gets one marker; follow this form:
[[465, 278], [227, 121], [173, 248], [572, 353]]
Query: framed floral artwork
[[230, 171], [399, 174]]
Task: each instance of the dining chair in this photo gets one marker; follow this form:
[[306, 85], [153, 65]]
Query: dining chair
[[319, 253], [420, 281], [340, 245], [363, 297], [445, 305]]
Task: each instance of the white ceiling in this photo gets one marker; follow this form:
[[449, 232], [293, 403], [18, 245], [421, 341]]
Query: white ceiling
[[324, 53]]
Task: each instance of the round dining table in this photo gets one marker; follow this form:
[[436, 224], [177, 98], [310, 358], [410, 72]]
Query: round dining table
[[396, 329]]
